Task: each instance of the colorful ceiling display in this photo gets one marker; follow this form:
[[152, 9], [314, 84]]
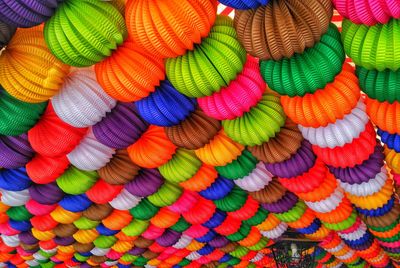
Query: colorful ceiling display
[[193, 133]]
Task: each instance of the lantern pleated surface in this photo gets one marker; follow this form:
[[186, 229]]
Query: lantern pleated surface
[[198, 133]]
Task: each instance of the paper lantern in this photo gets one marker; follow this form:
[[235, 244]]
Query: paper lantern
[[75, 203], [392, 159], [165, 106], [350, 154], [299, 163], [287, 76], [183, 165], [90, 154], [211, 65], [358, 227], [248, 210], [239, 96], [390, 140], [220, 151], [283, 206], [380, 211], [322, 190], [84, 43], [146, 183], [130, 74], [120, 169], [307, 222], [124, 201], [276, 232], [341, 218], [366, 45], [82, 102], [144, 210], [195, 131], [42, 169], [367, 170], [28, 70], [244, 4], [23, 13], [382, 86], [102, 192], [14, 179], [375, 200], [238, 168], [116, 191], [368, 13], [386, 234], [35, 208], [17, 117], [308, 181], [46, 194], [328, 204], [15, 151], [220, 188], [149, 24], [153, 149], [366, 188], [75, 181], [312, 109], [185, 202], [121, 127], [204, 177], [272, 193], [233, 201], [166, 195], [383, 114], [135, 228], [52, 137], [292, 214], [339, 133], [258, 125], [14, 199], [293, 27], [11, 241], [281, 147]]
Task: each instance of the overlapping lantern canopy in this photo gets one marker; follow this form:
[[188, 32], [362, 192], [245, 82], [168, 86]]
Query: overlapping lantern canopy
[[152, 133]]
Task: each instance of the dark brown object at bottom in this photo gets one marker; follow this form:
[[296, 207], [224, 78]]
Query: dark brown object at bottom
[[120, 169], [195, 131], [281, 147], [142, 242], [79, 247], [384, 220], [148, 254], [65, 230], [98, 259], [272, 193], [229, 247], [98, 212]]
